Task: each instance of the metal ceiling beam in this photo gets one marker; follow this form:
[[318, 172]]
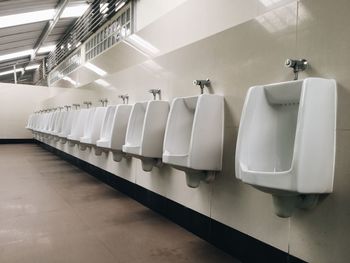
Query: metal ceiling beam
[[49, 26]]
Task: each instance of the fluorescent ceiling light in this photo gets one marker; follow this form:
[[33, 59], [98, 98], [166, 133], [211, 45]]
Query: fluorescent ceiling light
[[95, 69], [104, 8], [19, 54], [269, 2], [46, 49], [39, 16], [142, 45], [74, 11], [73, 82], [11, 71], [102, 82], [31, 67], [26, 18], [119, 5]]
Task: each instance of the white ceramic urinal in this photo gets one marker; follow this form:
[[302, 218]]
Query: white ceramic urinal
[[145, 132], [106, 129], [194, 137], [286, 141], [78, 127], [30, 121], [114, 131], [67, 125], [48, 125], [59, 125], [93, 128], [54, 122]]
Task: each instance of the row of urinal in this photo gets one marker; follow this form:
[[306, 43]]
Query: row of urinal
[[151, 131], [285, 144]]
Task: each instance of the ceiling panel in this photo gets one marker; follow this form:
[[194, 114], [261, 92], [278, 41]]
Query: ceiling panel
[[24, 37], [10, 7], [22, 28]]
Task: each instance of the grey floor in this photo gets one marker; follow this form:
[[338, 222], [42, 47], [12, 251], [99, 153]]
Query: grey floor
[[50, 211]]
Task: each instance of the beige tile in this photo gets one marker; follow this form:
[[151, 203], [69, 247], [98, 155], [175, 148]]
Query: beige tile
[[66, 248], [324, 39], [152, 240], [31, 226]]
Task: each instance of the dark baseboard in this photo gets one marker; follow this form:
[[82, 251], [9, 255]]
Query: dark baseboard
[[16, 141], [241, 246]]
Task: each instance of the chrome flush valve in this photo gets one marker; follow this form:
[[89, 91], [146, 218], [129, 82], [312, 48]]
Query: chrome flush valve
[[297, 65], [104, 102], [77, 106], [125, 98], [155, 92], [201, 83], [87, 103]]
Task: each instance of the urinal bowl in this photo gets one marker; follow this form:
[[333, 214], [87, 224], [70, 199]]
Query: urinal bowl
[[67, 126], [103, 144], [93, 129], [145, 132], [78, 127], [194, 137], [113, 137], [286, 142]]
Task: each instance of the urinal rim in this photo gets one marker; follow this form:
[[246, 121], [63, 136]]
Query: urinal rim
[[291, 171]]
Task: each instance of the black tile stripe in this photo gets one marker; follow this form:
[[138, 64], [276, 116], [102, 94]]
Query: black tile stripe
[[241, 246], [16, 141]]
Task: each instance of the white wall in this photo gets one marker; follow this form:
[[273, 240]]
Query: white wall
[[16, 103], [150, 10], [237, 44]]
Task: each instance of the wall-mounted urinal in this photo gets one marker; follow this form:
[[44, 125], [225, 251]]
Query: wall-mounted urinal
[[194, 137], [114, 130], [145, 131], [49, 123], [67, 124], [106, 129], [93, 128], [58, 125], [286, 141], [53, 123], [30, 121], [78, 127]]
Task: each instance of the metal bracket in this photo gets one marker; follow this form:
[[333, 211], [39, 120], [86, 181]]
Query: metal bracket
[[104, 102], [87, 103], [125, 98], [77, 106], [297, 65], [155, 92], [202, 83]]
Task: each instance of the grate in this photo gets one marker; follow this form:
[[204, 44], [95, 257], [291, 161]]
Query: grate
[[112, 33], [98, 13], [66, 67]]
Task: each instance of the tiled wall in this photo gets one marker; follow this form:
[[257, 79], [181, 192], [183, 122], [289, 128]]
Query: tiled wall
[[237, 44], [16, 103]]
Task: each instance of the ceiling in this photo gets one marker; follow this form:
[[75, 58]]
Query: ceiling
[[24, 37]]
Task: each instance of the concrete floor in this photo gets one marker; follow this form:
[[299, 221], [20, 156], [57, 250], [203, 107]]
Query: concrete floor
[[50, 211]]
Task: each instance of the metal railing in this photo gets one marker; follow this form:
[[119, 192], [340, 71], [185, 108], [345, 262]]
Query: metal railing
[[96, 16]]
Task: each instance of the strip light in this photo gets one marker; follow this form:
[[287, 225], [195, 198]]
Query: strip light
[[31, 67], [39, 16], [11, 71], [95, 69], [46, 49], [102, 83], [19, 54]]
